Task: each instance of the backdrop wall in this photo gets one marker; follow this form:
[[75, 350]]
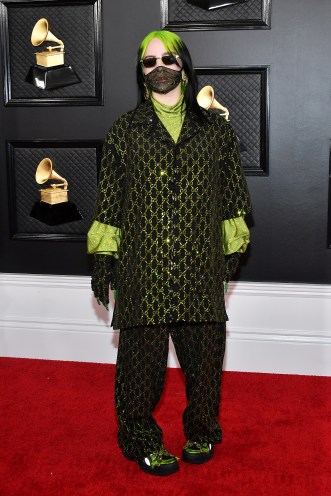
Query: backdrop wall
[[289, 225], [279, 310]]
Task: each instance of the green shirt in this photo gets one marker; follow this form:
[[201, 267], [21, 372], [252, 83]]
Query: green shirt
[[171, 116]]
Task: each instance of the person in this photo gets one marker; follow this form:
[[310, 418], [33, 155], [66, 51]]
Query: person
[[167, 234]]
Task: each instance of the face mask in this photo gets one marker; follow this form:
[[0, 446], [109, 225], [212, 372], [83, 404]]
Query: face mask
[[162, 79]]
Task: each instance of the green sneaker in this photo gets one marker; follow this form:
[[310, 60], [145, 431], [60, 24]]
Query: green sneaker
[[196, 452], [159, 462]]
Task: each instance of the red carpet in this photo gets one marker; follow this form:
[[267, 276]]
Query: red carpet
[[58, 435]]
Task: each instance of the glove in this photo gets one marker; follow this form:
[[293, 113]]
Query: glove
[[103, 272], [231, 265]]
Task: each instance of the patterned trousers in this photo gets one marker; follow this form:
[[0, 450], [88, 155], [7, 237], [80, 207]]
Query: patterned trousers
[[140, 374]]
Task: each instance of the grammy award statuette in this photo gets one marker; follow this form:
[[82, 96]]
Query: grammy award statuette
[[49, 72]]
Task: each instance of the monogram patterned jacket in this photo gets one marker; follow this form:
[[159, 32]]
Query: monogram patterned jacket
[[162, 203]]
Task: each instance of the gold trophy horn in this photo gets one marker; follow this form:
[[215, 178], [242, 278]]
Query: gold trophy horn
[[50, 57], [206, 99], [41, 33], [54, 194]]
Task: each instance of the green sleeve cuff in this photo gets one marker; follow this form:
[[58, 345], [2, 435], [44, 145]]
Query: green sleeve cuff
[[235, 235], [103, 239]]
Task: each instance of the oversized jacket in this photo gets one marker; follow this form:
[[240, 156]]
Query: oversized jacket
[[166, 201]]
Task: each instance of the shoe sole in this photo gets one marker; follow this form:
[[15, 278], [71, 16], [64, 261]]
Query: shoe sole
[[162, 470], [197, 458]]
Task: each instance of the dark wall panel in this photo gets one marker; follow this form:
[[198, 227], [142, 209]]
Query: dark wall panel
[[290, 220]]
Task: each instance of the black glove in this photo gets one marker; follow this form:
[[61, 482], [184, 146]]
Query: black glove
[[231, 265], [103, 272]]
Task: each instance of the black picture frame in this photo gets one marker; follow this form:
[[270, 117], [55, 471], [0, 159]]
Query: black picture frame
[[179, 15], [78, 23], [244, 91], [78, 161]]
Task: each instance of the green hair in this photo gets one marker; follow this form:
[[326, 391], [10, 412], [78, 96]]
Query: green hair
[[174, 45], [171, 41]]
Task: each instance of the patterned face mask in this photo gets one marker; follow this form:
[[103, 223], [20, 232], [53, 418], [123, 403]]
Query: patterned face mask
[[162, 79]]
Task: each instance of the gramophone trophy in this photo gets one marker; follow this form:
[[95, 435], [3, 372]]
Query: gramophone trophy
[[50, 71], [214, 4], [54, 207], [206, 99]]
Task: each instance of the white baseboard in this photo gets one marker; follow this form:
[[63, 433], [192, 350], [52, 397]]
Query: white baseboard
[[275, 328]]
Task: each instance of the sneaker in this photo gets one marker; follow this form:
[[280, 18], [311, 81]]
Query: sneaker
[[196, 452], [159, 463]]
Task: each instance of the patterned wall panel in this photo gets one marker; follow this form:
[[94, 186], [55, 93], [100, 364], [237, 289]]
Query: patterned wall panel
[[180, 15], [77, 24], [244, 92], [75, 161]]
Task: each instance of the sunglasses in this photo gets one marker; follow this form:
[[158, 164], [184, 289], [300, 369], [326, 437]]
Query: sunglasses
[[149, 62]]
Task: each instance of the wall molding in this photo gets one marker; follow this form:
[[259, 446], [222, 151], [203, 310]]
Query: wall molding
[[273, 327]]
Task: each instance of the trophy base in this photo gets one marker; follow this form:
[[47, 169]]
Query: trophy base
[[50, 78], [53, 215], [214, 4], [53, 196]]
